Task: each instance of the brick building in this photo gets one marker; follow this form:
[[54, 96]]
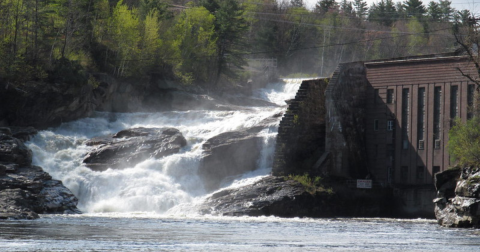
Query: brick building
[[389, 120], [412, 107]]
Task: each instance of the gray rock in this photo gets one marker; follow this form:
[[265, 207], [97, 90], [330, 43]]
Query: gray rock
[[228, 154], [288, 198], [269, 196], [27, 190], [131, 146], [458, 197], [13, 150]]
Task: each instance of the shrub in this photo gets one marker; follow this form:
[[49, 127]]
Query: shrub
[[312, 185], [464, 142]]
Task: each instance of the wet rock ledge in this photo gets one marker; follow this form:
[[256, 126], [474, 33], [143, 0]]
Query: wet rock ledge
[[458, 197], [282, 197], [26, 190]]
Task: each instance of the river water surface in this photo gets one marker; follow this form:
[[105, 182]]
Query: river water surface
[[152, 205], [143, 232]]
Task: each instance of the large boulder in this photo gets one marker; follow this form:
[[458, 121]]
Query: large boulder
[[13, 150], [282, 197], [26, 190], [458, 197], [228, 154], [269, 196], [131, 146]]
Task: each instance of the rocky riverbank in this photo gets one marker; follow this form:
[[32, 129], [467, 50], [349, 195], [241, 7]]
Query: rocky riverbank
[[458, 197], [283, 197], [26, 190]]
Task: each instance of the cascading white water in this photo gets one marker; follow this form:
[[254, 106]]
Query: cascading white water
[[154, 185]]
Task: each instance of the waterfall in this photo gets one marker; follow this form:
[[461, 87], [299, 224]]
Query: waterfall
[[154, 185]]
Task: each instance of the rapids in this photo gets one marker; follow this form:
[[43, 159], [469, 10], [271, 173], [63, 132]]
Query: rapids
[[168, 185]]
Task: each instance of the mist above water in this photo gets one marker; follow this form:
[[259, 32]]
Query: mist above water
[[167, 185]]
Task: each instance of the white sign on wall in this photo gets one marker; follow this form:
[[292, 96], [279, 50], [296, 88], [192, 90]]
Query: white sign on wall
[[364, 183]]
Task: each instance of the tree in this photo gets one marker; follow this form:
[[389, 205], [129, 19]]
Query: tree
[[324, 6], [384, 12], [297, 3], [446, 10], [414, 8], [361, 8], [125, 35], [464, 142], [434, 11], [346, 8], [194, 44], [229, 28]]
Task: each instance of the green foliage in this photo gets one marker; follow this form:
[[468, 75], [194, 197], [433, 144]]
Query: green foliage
[[464, 142], [210, 40], [312, 185], [193, 44]]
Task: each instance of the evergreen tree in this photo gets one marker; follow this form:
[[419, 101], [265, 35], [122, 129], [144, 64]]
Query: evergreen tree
[[434, 11], [384, 12], [347, 8], [447, 11], [361, 8], [230, 27], [414, 8], [324, 6]]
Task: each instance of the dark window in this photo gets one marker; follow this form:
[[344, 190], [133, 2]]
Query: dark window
[[390, 153], [376, 96], [453, 101], [375, 125], [436, 112], [420, 173], [390, 125], [405, 116], [389, 96], [404, 174], [421, 114], [470, 99]]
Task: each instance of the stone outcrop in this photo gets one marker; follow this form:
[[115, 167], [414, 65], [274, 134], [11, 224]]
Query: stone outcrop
[[42, 105], [288, 198], [131, 146], [228, 154], [301, 133], [26, 190], [458, 197]]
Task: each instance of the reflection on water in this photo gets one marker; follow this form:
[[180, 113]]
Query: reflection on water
[[204, 233]]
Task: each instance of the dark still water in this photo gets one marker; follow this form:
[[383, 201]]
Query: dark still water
[[153, 233]]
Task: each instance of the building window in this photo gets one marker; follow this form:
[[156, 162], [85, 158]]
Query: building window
[[390, 125], [389, 96], [405, 116], [375, 125], [420, 173], [376, 96], [421, 114], [390, 153], [404, 174], [470, 99], [453, 102], [437, 104]]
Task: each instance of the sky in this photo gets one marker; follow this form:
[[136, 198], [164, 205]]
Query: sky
[[472, 5]]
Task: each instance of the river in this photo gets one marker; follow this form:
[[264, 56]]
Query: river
[[152, 205]]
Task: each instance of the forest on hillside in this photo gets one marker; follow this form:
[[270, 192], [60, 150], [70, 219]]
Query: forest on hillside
[[211, 42]]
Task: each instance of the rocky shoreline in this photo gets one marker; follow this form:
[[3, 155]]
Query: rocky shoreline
[[458, 197], [25, 189]]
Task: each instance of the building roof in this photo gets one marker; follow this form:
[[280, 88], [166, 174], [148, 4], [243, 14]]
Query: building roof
[[419, 70]]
